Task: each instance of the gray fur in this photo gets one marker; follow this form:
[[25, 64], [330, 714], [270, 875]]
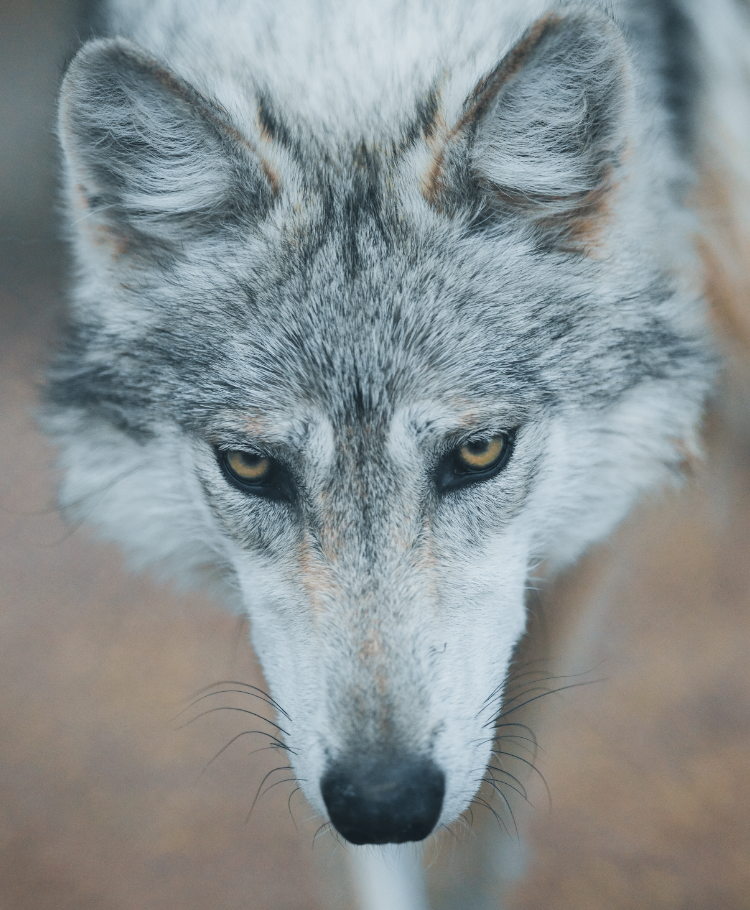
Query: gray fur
[[278, 252]]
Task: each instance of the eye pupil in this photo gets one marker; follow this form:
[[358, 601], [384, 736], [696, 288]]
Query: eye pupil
[[478, 446]]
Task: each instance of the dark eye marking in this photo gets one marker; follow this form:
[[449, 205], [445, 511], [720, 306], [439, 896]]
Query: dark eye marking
[[258, 474], [473, 461]]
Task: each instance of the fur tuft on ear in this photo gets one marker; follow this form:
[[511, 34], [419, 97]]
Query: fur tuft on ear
[[149, 157], [541, 135]]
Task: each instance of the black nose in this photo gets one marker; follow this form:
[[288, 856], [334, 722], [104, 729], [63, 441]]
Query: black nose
[[384, 801]]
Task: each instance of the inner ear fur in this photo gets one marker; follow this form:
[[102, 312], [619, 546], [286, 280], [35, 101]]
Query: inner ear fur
[[541, 136], [148, 155]]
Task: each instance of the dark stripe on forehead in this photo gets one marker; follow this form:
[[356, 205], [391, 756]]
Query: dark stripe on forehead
[[360, 214]]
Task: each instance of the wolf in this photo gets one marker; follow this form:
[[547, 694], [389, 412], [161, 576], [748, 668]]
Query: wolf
[[381, 307]]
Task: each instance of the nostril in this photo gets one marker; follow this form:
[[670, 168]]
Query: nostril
[[384, 801]]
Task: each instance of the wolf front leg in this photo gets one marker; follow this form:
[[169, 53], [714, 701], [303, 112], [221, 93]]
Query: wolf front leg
[[389, 878]]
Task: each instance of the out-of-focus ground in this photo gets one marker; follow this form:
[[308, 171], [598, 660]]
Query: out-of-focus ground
[[103, 803]]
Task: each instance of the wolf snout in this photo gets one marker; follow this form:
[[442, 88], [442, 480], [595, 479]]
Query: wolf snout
[[384, 800]]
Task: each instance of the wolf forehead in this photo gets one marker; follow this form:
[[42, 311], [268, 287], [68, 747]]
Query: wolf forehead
[[423, 317], [427, 314], [275, 271]]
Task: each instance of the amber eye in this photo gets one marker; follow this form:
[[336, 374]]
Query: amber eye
[[481, 454], [474, 461], [247, 466], [256, 474]]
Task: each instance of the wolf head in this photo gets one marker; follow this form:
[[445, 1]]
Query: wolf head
[[371, 383]]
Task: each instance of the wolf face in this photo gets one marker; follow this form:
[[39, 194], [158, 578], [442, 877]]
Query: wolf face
[[370, 379]]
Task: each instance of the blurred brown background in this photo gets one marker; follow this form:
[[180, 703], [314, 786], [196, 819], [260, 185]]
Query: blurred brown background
[[103, 803]]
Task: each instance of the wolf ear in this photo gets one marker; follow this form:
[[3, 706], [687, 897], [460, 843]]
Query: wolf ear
[[541, 135], [149, 156]]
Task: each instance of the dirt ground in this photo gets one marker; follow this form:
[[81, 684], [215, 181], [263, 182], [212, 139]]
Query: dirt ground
[[108, 800]]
